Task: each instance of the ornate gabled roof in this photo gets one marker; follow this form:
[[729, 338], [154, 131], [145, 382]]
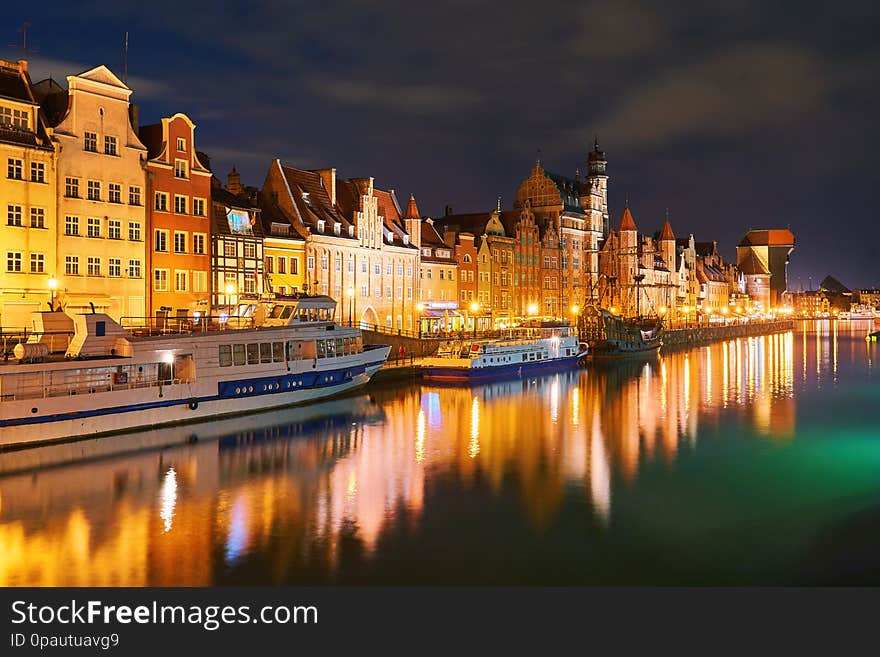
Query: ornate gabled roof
[[666, 234], [751, 265], [626, 221], [389, 209]]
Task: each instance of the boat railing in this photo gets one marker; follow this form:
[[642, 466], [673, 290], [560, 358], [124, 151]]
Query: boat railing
[[150, 326], [88, 389]]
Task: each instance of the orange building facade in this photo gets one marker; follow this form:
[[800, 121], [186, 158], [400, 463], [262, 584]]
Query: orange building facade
[[178, 219]]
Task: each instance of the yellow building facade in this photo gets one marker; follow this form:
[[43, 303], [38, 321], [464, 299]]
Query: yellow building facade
[[101, 220], [27, 200]]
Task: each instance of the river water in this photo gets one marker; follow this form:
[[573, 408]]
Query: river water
[[751, 461]]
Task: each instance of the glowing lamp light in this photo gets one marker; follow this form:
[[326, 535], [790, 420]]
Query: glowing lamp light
[[724, 311], [168, 358], [350, 292], [420, 307], [613, 310], [662, 310], [52, 283], [533, 309], [230, 289], [575, 309], [475, 307]]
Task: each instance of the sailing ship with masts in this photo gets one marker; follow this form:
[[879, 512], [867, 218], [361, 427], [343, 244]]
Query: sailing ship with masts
[[622, 321]]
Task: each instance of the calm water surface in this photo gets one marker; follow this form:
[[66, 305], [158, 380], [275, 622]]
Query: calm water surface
[[749, 461]]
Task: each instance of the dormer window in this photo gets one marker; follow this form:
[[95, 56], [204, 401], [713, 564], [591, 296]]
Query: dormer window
[[406, 239], [351, 231], [305, 197], [14, 118], [426, 253], [320, 221], [390, 237], [337, 228]]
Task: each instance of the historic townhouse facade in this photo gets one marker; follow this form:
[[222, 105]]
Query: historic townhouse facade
[[357, 244], [284, 251], [178, 192], [400, 259], [101, 256], [438, 274], [27, 200], [572, 219], [236, 244]]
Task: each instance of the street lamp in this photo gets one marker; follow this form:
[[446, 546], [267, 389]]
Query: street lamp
[[350, 293], [533, 309], [230, 290], [53, 285], [474, 308]]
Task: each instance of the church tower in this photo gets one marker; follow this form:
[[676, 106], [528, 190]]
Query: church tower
[[666, 242], [597, 184]]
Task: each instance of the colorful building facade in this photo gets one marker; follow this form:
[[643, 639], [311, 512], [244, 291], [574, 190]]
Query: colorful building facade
[[178, 188], [101, 219], [27, 201]]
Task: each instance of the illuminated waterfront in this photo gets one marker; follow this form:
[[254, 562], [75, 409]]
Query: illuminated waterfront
[[748, 461]]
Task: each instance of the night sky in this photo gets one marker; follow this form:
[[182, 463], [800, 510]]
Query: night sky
[[742, 115]]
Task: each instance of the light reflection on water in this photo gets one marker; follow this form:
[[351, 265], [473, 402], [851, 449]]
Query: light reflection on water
[[660, 472]]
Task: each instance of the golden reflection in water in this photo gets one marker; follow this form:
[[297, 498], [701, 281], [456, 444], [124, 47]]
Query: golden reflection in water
[[474, 446], [299, 499], [168, 498]]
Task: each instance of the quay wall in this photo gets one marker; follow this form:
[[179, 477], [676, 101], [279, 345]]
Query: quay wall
[[687, 337]]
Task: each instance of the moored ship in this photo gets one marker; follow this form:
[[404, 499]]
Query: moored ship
[[612, 336], [546, 347], [111, 380]]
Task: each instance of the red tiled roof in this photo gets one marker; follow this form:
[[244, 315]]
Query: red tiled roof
[[666, 234], [412, 210], [771, 237], [626, 221]]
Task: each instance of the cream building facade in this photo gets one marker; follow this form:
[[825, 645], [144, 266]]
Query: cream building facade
[[101, 256]]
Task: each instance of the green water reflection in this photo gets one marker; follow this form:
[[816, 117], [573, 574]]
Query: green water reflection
[[749, 461]]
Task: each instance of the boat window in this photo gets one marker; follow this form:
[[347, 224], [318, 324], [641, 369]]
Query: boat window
[[278, 351], [238, 354], [253, 353], [331, 348], [164, 373], [265, 352], [287, 312], [225, 355], [340, 347], [275, 313], [321, 351], [532, 356], [360, 344]]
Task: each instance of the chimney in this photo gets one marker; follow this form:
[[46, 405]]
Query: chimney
[[233, 186], [328, 179], [448, 210]]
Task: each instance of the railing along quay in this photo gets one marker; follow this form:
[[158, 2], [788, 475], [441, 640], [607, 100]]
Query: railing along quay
[[687, 337]]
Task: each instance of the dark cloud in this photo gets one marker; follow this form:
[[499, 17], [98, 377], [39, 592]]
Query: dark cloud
[[735, 114]]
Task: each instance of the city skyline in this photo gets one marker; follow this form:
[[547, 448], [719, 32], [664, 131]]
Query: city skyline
[[761, 114]]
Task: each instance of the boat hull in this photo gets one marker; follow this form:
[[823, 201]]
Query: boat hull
[[476, 374], [174, 406]]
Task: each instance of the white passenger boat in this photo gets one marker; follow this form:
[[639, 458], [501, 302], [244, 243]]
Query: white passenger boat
[[111, 380], [523, 350]]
